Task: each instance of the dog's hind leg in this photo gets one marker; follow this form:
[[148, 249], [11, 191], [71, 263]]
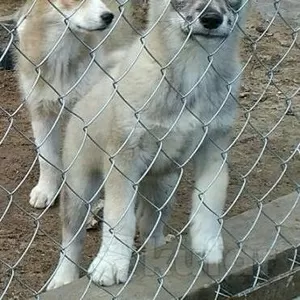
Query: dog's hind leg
[[209, 196], [47, 134], [154, 204], [83, 185]]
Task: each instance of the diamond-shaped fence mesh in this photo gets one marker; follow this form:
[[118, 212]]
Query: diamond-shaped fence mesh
[[136, 119]]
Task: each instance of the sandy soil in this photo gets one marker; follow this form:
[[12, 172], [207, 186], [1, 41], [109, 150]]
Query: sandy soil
[[29, 238]]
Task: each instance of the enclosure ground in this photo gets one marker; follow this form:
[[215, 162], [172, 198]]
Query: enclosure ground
[[275, 172]]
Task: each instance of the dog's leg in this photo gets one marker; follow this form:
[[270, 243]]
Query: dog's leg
[[153, 210], [111, 264], [75, 207], [47, 140], [208, 202]]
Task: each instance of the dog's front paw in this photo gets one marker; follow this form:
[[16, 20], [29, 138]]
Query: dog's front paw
[[42, 195], [210, 248], [108, 269], [66, 273]]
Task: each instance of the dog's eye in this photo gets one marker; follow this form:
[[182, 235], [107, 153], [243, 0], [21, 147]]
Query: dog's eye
[[178, 4]]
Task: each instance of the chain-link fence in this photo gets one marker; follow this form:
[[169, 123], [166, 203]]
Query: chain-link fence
[[148, 100]]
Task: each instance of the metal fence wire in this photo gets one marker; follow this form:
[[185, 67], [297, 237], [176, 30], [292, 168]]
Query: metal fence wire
[[148, 100]]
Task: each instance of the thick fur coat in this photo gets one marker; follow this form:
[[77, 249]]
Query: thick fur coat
[[175, 103]]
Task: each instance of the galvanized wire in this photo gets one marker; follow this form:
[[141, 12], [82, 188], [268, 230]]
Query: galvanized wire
[[289, 107]]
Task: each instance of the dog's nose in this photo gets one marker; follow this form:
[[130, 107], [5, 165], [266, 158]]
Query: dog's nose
[[107, 18], [211, 20]]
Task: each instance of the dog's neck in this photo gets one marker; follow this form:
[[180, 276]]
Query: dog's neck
[[191, 69], [66, 46]]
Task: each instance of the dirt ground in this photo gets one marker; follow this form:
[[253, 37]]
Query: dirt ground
[[28, 267]]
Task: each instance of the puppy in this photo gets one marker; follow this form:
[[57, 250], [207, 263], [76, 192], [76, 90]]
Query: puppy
[[174, 105], [65, 47]]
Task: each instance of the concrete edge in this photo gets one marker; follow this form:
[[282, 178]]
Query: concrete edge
[[267, 252]]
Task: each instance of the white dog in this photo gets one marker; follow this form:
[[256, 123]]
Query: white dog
[[60, 43], [176, 103]]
